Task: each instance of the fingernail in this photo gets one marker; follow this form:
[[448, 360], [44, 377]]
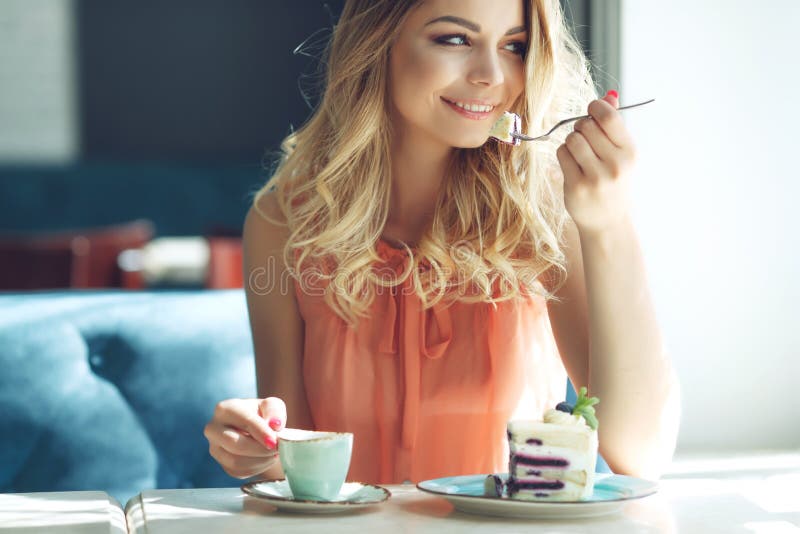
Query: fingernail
[[275, 423], [269, 442], [612, 93]]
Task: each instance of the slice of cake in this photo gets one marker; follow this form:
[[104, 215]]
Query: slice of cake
[[493, 486], [507, 124], [554, 459]]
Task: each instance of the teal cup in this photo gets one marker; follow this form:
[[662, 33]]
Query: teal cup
[[315, 463]]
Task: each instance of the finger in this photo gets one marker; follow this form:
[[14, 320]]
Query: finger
[[601, 145], [242, 415], [236, 442], [569, 166], [612, 97], [583, 154], [610, 120], [240, 466], [273, 410]]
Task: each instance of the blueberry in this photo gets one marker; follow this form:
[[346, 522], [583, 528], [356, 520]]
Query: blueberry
[[564, 407]]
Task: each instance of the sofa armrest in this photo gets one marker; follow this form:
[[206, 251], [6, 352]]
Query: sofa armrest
[[110, 390]]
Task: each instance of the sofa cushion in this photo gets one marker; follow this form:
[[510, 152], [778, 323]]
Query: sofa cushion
[[111, 390]]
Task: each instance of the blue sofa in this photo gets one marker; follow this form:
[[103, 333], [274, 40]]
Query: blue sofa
[[110, 390]]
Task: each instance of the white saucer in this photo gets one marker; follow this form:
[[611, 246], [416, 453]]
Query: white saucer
[[353, 495], [611, 492]]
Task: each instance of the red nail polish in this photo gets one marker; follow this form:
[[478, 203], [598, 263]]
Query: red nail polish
[[269, 442], [612, 93], [275, 423]]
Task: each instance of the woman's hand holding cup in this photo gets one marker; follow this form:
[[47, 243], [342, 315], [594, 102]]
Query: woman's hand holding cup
[[243, 434]]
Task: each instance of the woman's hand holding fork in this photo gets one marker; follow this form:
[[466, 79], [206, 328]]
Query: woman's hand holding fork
[[596, 160]]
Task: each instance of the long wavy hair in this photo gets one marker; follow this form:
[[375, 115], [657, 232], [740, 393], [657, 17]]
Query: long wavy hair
[[499, 217]]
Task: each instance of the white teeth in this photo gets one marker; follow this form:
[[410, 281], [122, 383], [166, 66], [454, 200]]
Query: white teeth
[[474, 107]]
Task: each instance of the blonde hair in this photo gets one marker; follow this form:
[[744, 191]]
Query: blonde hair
[[499, 217]]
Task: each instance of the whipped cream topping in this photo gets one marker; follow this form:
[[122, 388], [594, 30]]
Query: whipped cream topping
[[557, 417]]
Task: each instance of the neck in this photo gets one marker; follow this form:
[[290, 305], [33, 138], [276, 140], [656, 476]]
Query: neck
[[418, 168]]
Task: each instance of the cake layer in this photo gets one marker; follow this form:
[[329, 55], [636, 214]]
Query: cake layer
[[578, 476], [551, 435], [536, 489], [554, 458]]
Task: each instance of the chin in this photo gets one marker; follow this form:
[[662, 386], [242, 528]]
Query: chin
[[471, 141], [477, 144]]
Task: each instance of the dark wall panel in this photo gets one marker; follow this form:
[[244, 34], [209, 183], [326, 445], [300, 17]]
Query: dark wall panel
[[192, 80]]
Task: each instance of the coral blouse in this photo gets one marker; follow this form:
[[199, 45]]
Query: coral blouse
[[427, 393]]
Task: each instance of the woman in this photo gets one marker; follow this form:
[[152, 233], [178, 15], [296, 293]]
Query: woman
[[422, 267]]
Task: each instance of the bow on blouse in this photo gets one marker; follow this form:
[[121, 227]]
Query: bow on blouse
[[423, 333]]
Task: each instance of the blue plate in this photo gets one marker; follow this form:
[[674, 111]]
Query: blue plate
[[610, 494]]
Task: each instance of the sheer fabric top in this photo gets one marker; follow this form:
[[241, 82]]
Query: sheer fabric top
[[427, 393]]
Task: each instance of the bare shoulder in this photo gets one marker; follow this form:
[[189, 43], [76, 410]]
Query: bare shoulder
[[265, 230], [265, 216], [275, 320], [264, 237]]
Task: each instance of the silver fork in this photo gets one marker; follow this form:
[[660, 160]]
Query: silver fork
[[523, 137]]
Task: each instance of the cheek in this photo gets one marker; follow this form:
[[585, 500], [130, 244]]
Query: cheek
[[417, 77]]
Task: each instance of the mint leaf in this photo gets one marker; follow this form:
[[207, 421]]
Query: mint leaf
[[591, 420], [584, 407]]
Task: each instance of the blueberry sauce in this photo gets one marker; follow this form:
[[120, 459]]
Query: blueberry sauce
[[515, 485], [539, 461], [533, 441]]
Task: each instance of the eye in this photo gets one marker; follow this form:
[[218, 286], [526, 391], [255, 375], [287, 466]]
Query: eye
[[518, 47], [452, 40]]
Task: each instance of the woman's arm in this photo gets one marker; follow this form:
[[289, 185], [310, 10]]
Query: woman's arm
[[275, 321], [605, 326], [606, 331]]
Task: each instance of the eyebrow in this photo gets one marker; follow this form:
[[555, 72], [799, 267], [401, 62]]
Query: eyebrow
[[470, 25]]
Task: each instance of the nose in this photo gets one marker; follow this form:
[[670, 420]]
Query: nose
[[486, 68]]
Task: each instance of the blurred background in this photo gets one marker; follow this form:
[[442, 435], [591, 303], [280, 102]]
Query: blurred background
[[125, 122], [133, 134], [122, 124]]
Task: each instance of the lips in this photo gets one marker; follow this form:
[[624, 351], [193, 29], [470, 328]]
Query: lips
[[472, 109]]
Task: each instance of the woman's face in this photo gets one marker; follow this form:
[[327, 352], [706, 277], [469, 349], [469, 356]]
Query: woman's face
[[455, 67]]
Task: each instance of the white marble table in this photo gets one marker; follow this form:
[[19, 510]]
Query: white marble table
[[748, 494], [745, 494], [66, 512]]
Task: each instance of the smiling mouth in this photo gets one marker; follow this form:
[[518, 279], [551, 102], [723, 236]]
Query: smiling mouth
[[470, 107]]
